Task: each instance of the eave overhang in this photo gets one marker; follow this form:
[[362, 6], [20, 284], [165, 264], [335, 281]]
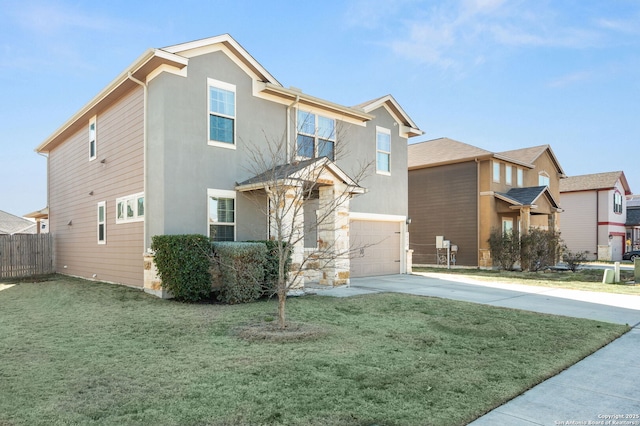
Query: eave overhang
[[149, 61], [291, 95]]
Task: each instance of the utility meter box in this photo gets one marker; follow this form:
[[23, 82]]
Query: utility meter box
[[439, 242], [446, 244]]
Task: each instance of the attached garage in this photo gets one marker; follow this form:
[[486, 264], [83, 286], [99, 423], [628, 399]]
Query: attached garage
[[377, 247]]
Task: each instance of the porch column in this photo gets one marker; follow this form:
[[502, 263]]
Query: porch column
[[291, 214], [525, 220], [333, 234], [553, 221]]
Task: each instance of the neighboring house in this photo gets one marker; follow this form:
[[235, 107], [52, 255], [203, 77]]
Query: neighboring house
[[595, 214], [10, 225], [633, 223], [42, 220], [462, 193], [165, 149]]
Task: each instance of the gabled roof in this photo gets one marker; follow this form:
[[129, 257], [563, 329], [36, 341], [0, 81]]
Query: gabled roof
[[595, 181], [11, 224], [388, 101], [633, 217], [176, 59], [296, 173], [448, 151], [531, 154], [633, 202], [527, 196], [443, 151]]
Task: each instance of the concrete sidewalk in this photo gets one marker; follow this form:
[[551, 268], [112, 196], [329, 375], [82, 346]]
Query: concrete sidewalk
[[597, 389]]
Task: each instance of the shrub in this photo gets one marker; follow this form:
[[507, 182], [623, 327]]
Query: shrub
[[539, 249], [574, 260], [242, 270], [183, 263], [271, 265], [505, 248]]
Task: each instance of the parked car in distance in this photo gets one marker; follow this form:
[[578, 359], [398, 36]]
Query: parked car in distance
[[631, 255]]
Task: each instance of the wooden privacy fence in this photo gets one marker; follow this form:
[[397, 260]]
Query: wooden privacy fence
[[26, 255]]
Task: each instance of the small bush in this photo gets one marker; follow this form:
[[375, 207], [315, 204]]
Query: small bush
[[242, 270], [574, 260], [505, 248], [183, 263], [540, 249]]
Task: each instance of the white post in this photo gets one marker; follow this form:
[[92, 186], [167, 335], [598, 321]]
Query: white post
[[616, 276]]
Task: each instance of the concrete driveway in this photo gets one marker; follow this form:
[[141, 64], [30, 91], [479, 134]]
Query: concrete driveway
[[604, 387]]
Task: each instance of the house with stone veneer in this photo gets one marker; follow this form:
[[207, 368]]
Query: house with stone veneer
[[164, 149], [595, 216], [462, 192]]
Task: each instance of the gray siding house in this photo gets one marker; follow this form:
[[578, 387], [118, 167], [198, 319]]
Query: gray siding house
[[166, 148]]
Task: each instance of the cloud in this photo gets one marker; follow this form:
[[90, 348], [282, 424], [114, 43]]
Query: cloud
[[570, 79], [467, 32]]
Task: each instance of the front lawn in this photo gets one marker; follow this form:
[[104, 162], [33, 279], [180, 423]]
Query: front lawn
[[78, 352]]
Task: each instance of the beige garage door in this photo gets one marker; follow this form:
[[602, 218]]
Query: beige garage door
[[376, 248]]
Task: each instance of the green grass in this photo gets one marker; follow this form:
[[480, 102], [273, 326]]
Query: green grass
[[78, 352], [584, 279]]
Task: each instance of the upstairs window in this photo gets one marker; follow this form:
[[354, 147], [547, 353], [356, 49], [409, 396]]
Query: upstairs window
[[383, 150], [222, 215], [316, 136], [222, 113], [92, 139], [508, 179], [520, 177], [543, 179], [617, 202], [496, 172]]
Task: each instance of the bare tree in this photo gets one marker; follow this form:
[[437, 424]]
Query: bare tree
[[288, 181]]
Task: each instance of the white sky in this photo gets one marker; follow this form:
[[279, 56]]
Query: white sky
[[498, 74]]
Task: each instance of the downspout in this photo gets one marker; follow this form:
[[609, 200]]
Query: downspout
[[48, 182], [144, 157], [288, 132], [477, 211]]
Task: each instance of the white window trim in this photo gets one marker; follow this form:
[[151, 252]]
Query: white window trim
[[508, 174], [224, 86], [546, 176], [93, 121], [496, 176], [316, 138], [103, 205], [388, 132], [507, 220], [136, 217], [222, 193]]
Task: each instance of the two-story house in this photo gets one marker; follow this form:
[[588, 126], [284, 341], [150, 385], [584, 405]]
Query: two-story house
[[633, 223], [461, 193], [595, 214], [165, 149]]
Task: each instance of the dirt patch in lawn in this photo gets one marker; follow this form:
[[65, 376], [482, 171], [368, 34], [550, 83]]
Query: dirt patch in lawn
[[270, 331]]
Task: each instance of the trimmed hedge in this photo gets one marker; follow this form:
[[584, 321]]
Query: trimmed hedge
[[242, 270], [183, 263]]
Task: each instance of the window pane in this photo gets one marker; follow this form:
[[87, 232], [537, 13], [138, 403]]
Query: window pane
[[382, 162], [325, 149], [507, 174], [141, 207], [130, 209], [101, 232], [326, 128], [101, 214], [222, 101], [305, 146], [221, 129], [520, 177], [306, 122], [384, 142], [221, 232], [221, 210], [120, 210]]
